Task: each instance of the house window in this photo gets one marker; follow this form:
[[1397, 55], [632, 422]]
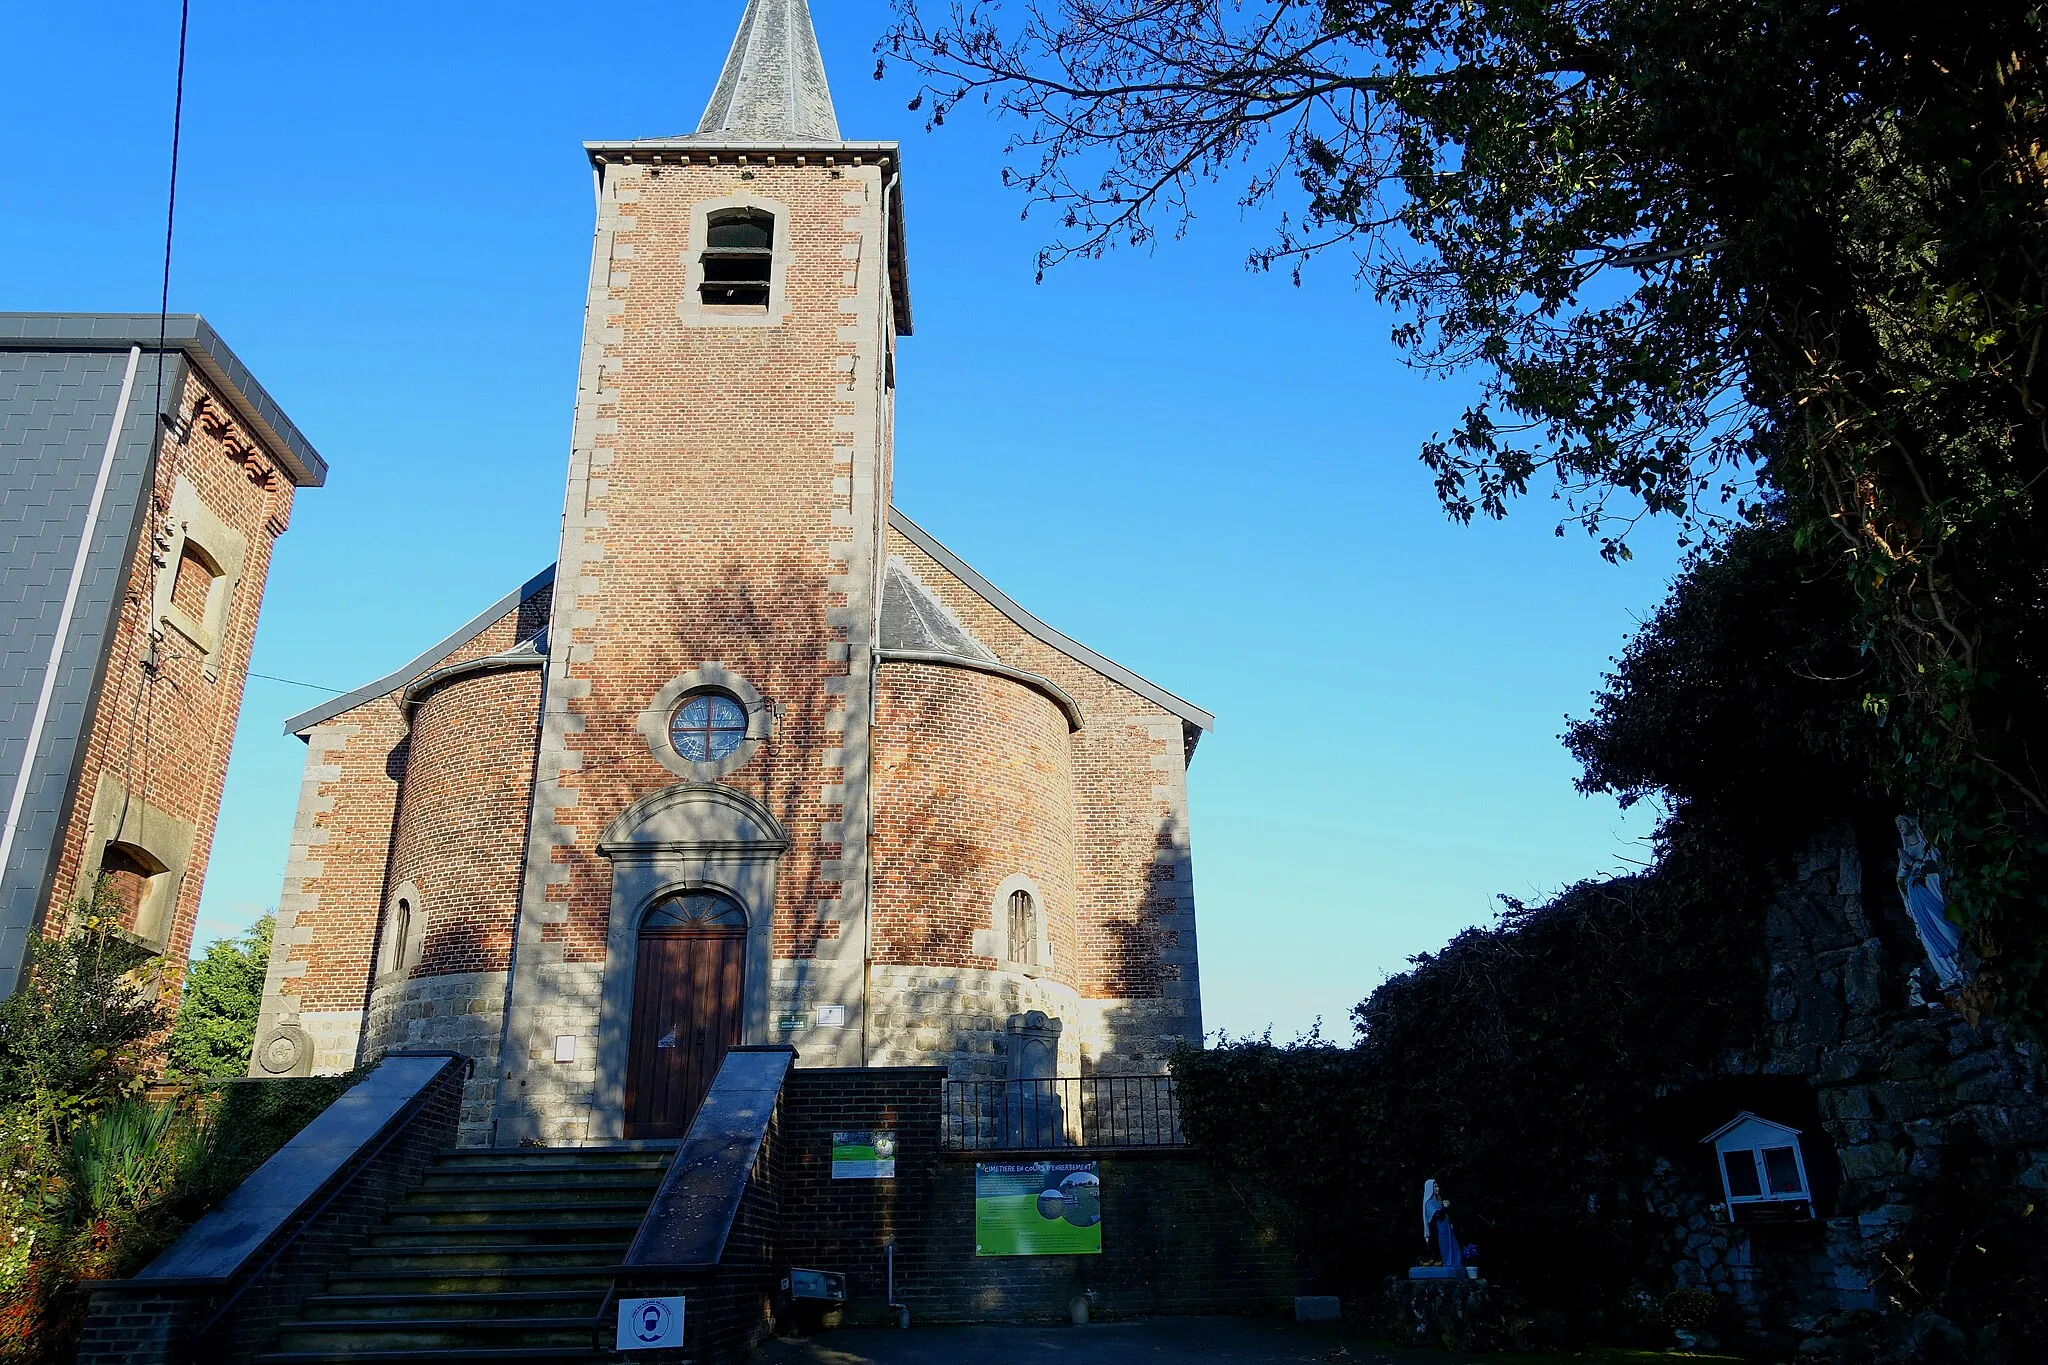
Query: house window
[[1023, 928], [192, 589], [127, 875], [708, 726], [1763, 1173], [739, 252]]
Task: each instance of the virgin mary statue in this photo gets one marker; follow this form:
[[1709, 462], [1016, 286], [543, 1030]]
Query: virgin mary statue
[[1920, 886]]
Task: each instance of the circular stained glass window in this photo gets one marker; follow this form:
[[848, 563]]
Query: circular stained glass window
[[707, 726]]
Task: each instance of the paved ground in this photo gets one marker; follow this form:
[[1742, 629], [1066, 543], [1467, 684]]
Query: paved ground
[[1212, 1341]]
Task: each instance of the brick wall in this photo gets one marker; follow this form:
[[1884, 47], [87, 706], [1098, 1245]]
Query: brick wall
[[1176, 1239], [973, 783], [462, 820], [337, 875], [166, 716], [1134, 880]]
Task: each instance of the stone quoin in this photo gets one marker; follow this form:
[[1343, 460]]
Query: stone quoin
[[757, 760]]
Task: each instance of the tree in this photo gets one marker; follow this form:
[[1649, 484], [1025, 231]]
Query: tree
[[216, 1025], [1698, 253]]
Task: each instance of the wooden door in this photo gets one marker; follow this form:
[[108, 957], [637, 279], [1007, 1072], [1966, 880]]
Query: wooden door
[[688, 992]]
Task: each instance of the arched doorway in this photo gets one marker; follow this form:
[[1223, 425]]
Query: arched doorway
[[689, 976]]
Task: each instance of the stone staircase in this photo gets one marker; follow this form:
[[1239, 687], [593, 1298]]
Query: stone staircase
[[497, 1256]]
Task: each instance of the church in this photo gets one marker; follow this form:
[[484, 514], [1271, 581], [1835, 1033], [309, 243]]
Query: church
[[758, 760]]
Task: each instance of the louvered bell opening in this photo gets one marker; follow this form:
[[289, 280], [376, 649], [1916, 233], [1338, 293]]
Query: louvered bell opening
[[739, 252]]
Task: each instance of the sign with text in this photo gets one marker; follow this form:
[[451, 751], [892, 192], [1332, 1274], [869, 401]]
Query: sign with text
[[864, 1156], [1037, 1208]]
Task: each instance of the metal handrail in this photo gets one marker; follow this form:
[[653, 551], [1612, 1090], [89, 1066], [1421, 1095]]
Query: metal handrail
[[1058, 1112]]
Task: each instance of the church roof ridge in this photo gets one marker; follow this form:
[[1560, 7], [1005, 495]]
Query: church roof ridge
[[1043, 633], [435, 655], [773, 85]]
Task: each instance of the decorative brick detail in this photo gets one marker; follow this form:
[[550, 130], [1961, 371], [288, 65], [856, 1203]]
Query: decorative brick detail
[[166, 712]]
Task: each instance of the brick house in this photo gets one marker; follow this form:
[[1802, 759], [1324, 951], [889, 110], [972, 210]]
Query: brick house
[[140, 496], [758, 759]]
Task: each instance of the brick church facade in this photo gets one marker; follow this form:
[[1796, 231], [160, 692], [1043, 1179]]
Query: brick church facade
[[757, 760]]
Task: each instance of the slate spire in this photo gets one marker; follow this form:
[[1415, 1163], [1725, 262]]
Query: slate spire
[[773, 87]]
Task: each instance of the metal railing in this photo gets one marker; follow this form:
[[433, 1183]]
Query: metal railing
[[1062, 1111]]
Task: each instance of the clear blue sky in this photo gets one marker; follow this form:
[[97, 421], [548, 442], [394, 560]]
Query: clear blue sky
[[1206, 474]]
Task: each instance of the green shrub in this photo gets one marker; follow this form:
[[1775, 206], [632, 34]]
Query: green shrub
[[216, 1025], [94, 1179]]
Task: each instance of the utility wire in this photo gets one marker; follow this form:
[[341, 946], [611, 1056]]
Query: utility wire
[[272, 677], [163, 318]]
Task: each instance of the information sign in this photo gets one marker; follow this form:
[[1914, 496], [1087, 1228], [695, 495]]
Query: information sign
[[864, 1156], [1037, 1208]]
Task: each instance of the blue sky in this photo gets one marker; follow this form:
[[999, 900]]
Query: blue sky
[[1208, 475]]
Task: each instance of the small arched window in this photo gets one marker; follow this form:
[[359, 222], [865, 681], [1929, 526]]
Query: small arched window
[[128, 875], [739, 256], [695, 912], [398, 934], [1023, 928]]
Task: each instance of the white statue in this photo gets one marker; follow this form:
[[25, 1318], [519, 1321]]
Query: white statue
[[1920, 888], [1436, 1222]]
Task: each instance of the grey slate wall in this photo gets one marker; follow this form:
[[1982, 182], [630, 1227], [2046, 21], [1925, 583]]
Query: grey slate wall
[[56, 409]]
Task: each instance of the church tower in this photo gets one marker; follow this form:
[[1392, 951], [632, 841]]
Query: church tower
[[758, 760], [710, 651]]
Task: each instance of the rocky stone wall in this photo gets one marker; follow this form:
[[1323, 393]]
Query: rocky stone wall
[[1906, 1086]]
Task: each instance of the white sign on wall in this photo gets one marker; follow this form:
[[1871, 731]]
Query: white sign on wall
[[649, 1324]]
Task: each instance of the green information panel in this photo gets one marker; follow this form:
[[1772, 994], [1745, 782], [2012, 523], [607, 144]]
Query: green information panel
[[863, 1156], [1037, 1208]]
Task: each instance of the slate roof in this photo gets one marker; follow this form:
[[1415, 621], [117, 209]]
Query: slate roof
[[193, 337], [773, 87], [914, 619], [1045, 634]]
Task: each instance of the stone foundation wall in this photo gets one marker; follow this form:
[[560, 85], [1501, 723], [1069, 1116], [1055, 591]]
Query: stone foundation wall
[[953, 1017], [463, 1012]]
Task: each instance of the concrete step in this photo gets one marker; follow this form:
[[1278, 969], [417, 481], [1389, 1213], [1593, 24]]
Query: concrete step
[[616, 1231], [515, 1279], [464, 1184], [401, 1307], [440, 1259], [417, 1212], [436, 1333], [575, 1158], [469, 1355]]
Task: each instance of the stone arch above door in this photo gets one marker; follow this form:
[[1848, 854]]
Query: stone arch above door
[[692, 836]]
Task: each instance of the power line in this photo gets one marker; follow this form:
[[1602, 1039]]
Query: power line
[[272, 677]]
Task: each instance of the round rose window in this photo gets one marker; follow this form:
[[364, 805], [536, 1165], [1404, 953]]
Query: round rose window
[[707, 726]]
